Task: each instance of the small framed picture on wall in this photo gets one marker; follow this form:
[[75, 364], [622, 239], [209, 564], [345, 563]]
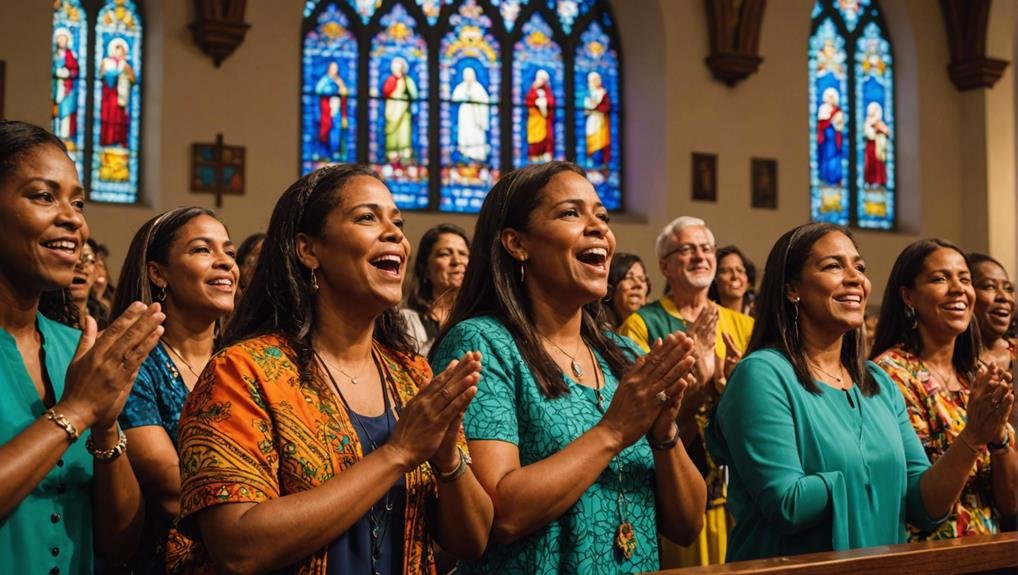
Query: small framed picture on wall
[[705, 177], [763, 181]]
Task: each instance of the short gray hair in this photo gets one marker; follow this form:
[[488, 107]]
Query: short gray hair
[[664, 239]]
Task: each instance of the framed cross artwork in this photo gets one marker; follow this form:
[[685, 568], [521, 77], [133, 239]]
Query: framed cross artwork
[[217, 169]]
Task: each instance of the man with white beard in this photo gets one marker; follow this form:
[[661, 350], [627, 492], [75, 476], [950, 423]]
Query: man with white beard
[[686, 257]]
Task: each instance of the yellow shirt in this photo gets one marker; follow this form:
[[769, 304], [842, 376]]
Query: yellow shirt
[[737, 325]]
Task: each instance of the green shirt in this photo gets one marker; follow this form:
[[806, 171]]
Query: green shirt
[[52, 527], [815, 472], [509, 407]]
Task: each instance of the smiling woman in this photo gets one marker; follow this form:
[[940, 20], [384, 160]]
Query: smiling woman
[[183, 259], [324, 415], [438, 271]]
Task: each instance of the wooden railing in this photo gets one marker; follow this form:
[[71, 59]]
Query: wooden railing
[[983, 554]]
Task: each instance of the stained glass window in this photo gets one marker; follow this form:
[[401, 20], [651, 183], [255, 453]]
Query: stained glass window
[[469, 75], [414, 88], [398, 80], [69, 51], [852, 118], [116, 107], [329, 101], [538, 96], [596, 85]]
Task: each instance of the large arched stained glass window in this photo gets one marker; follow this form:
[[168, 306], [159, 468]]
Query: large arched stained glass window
[[852, 119], [449, 94], [96, 70]]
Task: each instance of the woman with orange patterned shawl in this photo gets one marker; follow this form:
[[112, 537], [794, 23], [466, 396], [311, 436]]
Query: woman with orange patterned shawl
[[303, 442], [927, 342]]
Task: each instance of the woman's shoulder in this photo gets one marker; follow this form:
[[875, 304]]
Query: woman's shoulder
[[485, 327], [899, 363], [270, 349]]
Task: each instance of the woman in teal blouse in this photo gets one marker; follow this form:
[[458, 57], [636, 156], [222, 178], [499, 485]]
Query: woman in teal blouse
[[821, 451], [577, 448], [64, 476]]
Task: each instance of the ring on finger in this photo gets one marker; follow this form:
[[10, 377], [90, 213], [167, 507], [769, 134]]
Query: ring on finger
[[662, 397], [123, 361], [445, 392]]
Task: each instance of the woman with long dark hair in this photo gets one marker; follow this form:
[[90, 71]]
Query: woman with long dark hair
[[733, 284], [928, 343], [820, 447], [66, 486], [573, 437], [628, 288], [994, 312], [302, 444], [435, 282], [184, 260]]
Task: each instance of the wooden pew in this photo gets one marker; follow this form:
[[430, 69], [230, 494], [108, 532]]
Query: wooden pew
[[984, 554]]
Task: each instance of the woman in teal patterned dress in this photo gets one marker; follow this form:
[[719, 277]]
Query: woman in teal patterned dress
[[572, 435]]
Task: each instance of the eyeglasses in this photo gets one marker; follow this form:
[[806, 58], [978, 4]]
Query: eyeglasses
[[87, 260], [635, 278], [689, 249]]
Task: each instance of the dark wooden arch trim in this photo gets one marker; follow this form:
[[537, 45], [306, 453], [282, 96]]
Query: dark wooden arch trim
[[966, 22], [734, 39]]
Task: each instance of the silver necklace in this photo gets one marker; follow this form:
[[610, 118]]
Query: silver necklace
[[573, 365], [180, 357], [352, 378]]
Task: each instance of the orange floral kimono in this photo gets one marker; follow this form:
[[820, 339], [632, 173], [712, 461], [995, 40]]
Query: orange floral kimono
[[251, 431], [938, 416]]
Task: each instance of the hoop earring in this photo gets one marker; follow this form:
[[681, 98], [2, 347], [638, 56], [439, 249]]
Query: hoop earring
[[161, 294], [314, 281], [910, 316], [523, 271]]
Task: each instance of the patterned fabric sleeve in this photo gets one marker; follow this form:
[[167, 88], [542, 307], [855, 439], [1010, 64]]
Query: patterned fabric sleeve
[[896, 366], [226, 450], [492, 413], [142, 407]]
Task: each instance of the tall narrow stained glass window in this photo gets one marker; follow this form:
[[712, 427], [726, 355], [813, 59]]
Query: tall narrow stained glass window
[[443, 96], [852, 116], [96, 91]]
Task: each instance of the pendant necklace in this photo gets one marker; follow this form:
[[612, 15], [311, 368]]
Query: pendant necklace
[[352, 379], [838, 379], [574, 365], [181, 358], [378, 522], [625, 535]]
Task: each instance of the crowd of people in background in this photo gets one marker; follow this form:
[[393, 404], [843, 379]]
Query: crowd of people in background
[[508, 401]]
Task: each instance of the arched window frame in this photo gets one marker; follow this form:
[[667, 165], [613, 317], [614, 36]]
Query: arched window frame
[[851, 30], [87, 82], [506, 37]]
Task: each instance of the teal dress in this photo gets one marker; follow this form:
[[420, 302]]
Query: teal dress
[[50, 531], [815, 472], [509, 407]]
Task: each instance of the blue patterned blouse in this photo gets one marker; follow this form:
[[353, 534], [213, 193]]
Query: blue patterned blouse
[[157, 395]]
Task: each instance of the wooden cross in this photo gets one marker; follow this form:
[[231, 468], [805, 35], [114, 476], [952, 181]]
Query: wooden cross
[[217, 169]]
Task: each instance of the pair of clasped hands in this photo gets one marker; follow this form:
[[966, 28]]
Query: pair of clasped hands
[[991, 398]]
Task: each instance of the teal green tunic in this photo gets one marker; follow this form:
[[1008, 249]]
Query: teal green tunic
[[509, 407], [50, 531], [810, 472]]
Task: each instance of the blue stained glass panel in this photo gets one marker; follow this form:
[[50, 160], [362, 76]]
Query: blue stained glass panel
[[68, 90], [469, 77], [309, 7], [116, 134], [828, 119], [539, 96], [597, 112], [851, 11], [329, 92], [874, 132], [510, 11], [365, 8], [432, 9], [398, 109], [569, 11]]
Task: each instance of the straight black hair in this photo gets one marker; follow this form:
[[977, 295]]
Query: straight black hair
[[777, 317]]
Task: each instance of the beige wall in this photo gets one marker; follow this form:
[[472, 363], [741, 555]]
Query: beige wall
[[674, 107]]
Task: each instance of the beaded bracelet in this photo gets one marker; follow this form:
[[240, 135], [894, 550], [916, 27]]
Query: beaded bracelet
[[455, 474], [63, 423], [1002, 447], [107, 454], [666, 444]]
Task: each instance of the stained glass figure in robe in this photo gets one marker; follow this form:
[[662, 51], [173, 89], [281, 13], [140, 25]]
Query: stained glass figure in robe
[[596, 84], [398, 112], [828, 123], [117, 108], [469, 75], [329, 101], [539, 96], [874, 129], [67, 96]]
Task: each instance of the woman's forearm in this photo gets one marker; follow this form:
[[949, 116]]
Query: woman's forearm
[[117, 506], [1004, 479], [530, 497], [941, 485], [464, 514], [680, 493]]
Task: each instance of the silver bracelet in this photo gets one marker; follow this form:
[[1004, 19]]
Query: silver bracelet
[[455, 474]]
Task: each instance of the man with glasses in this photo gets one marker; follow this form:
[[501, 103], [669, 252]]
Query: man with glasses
[[686, 257]]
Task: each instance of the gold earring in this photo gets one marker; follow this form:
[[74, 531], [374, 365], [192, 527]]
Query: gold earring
[[314, 281]]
